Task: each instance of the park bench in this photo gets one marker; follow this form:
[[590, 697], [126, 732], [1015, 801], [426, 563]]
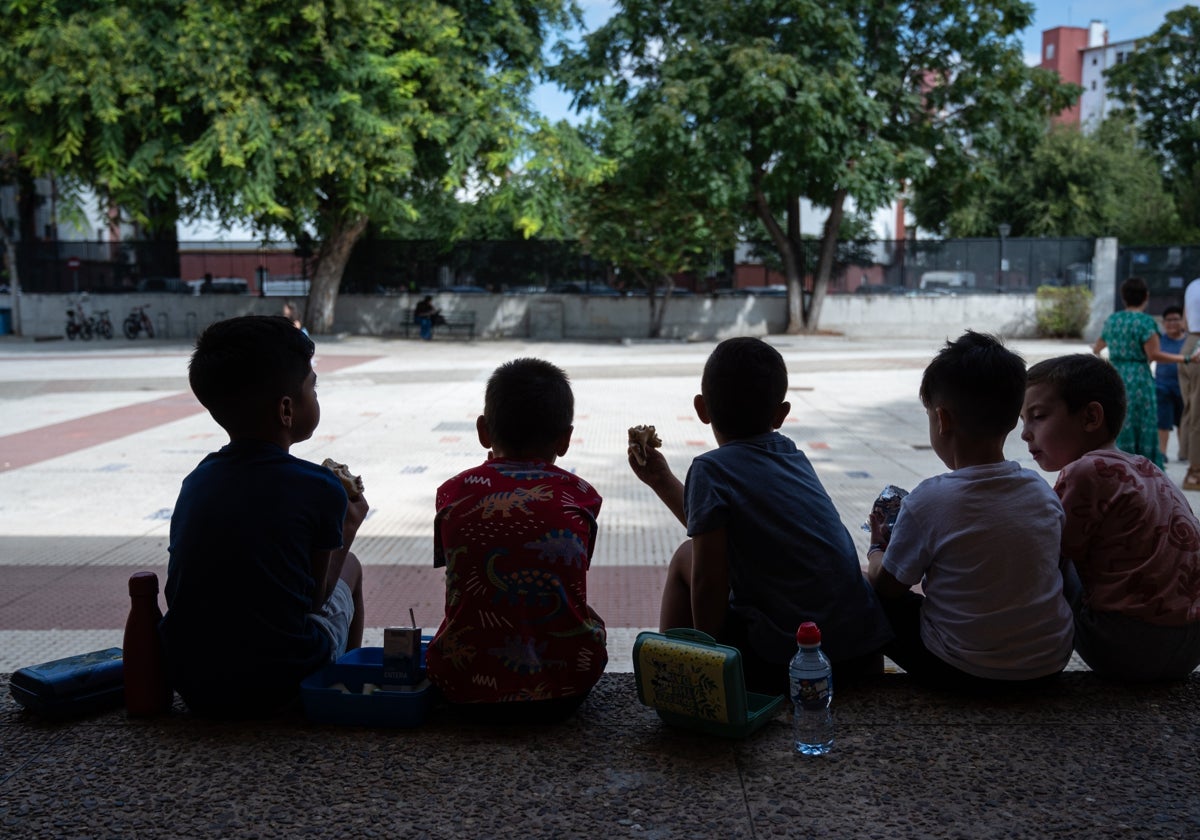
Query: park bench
[[461, 322]]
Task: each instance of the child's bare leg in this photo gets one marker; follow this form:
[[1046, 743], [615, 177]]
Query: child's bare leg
[[1163, 436], [676, 608], [343, 565], [352, 574]]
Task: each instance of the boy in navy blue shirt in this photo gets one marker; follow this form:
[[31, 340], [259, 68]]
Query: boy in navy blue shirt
[[768, 550], [262, 589]]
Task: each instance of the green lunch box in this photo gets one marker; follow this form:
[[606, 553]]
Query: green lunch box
[[695, 683]]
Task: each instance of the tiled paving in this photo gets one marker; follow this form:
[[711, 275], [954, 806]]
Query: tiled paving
[[94, 441]]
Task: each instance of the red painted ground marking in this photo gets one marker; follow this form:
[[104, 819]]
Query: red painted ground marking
[[697, 443], [97, 597], [686, 417], [58, 439], [792, 420], [817, 445], [449, 439]]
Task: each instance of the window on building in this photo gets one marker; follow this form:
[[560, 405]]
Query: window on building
[[1120, 58], [1049, 52], [1093, 61], [1093, 85]]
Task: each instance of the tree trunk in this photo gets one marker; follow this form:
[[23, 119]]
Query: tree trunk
[[159, 255], [790, 253], [331, 261], [14, 277], [829, 242], [657, 315]]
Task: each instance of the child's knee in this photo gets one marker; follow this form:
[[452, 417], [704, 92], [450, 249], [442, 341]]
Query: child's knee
[[681, 560]]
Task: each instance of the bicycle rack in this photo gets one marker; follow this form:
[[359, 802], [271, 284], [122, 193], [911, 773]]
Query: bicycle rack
[[189, 321], [164, 325]]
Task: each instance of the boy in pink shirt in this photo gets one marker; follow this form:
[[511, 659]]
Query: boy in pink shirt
[[1130, 544]]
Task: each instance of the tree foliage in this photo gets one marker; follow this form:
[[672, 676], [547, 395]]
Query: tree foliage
[[774, 100], [1161, 80], [322, 116], [1070, 183]]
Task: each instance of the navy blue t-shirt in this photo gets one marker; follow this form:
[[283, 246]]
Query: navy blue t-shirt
[[239, 589], [791, 559]]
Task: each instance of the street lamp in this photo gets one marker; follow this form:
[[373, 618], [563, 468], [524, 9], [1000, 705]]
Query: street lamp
[[1005, 230]]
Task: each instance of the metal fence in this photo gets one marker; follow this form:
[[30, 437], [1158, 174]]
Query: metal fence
[[1167, 269], [388, 266]]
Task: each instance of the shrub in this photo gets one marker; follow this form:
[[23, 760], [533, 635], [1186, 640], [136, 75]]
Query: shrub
[[1063, 311]]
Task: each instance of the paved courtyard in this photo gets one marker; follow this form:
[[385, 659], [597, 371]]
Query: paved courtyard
[[95, 439]]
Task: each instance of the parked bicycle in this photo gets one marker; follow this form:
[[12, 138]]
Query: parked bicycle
[[78, 326], [138, 322], [101, 325]]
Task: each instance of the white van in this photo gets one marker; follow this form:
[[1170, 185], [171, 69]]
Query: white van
[[948, 280]]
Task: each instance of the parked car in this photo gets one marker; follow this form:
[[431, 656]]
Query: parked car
[[220, 286], [170, 285], [461, 290], [582, 288]]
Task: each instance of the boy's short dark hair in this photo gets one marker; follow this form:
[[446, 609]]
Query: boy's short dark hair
[[1173, 309], [243, 366], [1082, 378], [1134, 291], [980, 380], [528, 405], [745, 380]]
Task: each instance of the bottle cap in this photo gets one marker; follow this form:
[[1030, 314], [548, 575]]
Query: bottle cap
[[143, 583], [808, 634]]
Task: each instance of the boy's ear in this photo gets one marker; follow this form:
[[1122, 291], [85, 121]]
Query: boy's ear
[[1093, 417], [945, 421], [481, 429], [701, 409], [564, 442], [781, 414], [287, 412]]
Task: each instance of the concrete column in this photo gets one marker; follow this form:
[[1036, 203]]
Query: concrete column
[[1104, 286]]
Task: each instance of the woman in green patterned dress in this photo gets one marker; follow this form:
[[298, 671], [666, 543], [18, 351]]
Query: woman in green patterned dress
[[1132, 340]]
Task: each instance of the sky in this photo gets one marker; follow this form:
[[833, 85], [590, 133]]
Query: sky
[[1125, 19]]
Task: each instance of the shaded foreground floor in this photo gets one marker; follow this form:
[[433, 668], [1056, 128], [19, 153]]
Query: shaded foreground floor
[[1083, 759]]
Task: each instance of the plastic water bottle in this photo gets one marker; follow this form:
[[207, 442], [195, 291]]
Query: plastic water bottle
[[147, 691], [811, 681]]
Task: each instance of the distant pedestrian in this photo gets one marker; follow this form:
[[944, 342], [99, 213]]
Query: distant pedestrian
[[292, 313], [1166, 377], [1131, 337]]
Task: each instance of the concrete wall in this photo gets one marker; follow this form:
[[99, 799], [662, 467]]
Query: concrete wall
[[569, 317], [580, 317]]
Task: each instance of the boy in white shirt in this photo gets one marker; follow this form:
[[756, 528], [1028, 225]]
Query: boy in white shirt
[[981, 540]]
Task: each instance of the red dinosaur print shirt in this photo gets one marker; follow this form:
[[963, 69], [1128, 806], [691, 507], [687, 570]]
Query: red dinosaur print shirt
[[516, 538]]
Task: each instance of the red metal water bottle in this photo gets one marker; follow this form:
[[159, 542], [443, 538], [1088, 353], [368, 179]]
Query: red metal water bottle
[[147, 691]]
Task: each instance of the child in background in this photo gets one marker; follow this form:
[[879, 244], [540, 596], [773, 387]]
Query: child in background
[[1166, 377], [262, 589], [768, 550], [519, 643], [982, 539], [1131, 543]]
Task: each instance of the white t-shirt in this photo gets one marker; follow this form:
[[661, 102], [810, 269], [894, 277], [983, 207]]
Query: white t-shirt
[[984, 543], [1191, 305]]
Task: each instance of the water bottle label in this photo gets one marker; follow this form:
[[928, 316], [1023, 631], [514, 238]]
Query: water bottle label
[[812, 695]]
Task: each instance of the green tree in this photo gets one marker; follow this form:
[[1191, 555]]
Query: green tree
[[85, 94], [310, 116], [783, 100], [1070, 183], [336, 115], [1161, 81], [646, 209]]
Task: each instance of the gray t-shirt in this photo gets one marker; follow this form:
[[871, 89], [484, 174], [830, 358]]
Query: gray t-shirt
[[791, 559]]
